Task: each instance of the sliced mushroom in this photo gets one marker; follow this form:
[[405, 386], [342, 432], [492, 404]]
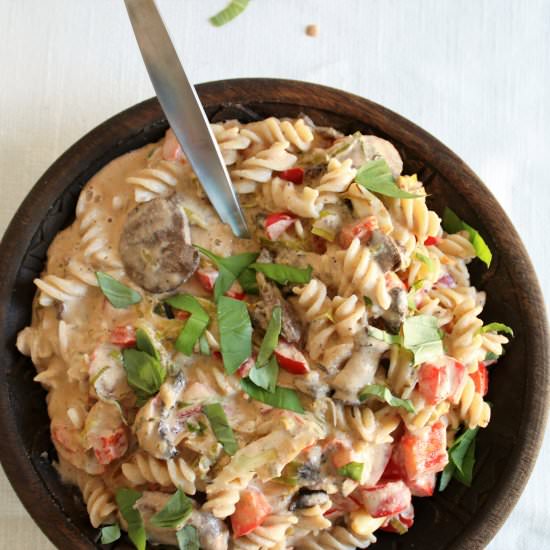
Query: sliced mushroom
[[308, 498], [386, 251], [213, 533], [395, 315], [155, 245]]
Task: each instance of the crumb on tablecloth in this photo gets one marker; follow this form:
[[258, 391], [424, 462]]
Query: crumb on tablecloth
[[312, 30]]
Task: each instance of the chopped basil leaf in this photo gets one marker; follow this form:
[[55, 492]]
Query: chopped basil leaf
[[491, 356], [265, 377], [232, 10], [194, 326], [422, 336], [461, 459], [453, 224], [110, 533], [376, 176], [497, 327], [284, 274], [145, 373], [125, 499], [446, 476], [221, 428], [176, 511], [281, 398], [188, 539], [384, 336], [271, 338], [353, 470], [235, 333], [197, 428], [247, 279], [229, 268], [204, 346], [145, 343], [383, 393], [119, 295], [367, 300]]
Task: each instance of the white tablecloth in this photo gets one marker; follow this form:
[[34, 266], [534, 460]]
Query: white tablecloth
[[474, 73]]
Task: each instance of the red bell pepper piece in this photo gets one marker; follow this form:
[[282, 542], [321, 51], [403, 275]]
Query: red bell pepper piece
[[250, 512], [295, 175]]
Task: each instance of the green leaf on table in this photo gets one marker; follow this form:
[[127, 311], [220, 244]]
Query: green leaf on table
[[119, 295], [453, 224], [145, 343], [229, 268], [281, 398], [271, 338], [284, 274], [188, 538], [110, 533], [422, 336], [194, 325], [383, 393], [384, 336], [232, 10], [221, 428], [265, 377], [376, 176], [126, 499], [235, 333], [145, 373], [497, 327], [353, 470], [176, 511]]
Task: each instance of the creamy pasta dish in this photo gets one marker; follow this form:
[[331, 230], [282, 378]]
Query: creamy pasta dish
[[292, 390]]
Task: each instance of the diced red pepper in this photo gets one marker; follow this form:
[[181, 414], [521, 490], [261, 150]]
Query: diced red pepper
[[276, 224], [217, 354], [481, 379], [236, 291], [386, 499], [110, 447], [400, 523], [432, 240], [361, 229], [437, 382], [207, 278], [290, 358], [124, 336], [342, 505], [181, 314], [245, 367], [295, 175], [250, 512], [423, 485]]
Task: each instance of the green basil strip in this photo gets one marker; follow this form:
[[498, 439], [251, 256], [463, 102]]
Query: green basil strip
[[384, 336], [145, 343], [491, 356], [383, 393], [204, 346], [461, 459], [497, 327], [119, 295], [125, 499], [247, 279], [281, 398], [367, 300], [265, 377], [446, 476], [422, 336], [194, 326], [176, 511], [353, 470], [221, 428], [453, 224], [271, 338], [376, 176], [235, 333], [110, 533], [232, 10], [229, 269], [145, 373], [284, 274], [188, 538]]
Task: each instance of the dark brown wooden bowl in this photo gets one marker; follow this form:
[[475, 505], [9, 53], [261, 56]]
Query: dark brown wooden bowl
[[458, 518]]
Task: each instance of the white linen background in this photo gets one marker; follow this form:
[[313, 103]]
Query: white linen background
[[474, 73]]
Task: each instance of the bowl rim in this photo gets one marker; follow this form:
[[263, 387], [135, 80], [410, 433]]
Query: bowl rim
[[42, 506]]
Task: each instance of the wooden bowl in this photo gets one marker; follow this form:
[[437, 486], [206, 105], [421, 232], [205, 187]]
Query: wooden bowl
[[460, 517]]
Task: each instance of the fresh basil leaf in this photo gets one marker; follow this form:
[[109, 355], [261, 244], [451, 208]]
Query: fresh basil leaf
[[145, 343], [460, 447], [176, 511], [204, 346], [376, 176], [194, 326], [110, 533], [232, 10], [446, 475], [145, 373], [281, 398], [497, 327], [265, 377], [247, 280], [465, 475], [491, 356], [229, 268], [383, 393], [235, 333], [271, 338], [221, 428], [453, 224], [422, 336], [125, 499], [119, 295], [384, 336], [188, 538], [284, 274], [353, 470]]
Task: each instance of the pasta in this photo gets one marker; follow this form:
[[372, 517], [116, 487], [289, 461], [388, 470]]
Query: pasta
[[266, 393]]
